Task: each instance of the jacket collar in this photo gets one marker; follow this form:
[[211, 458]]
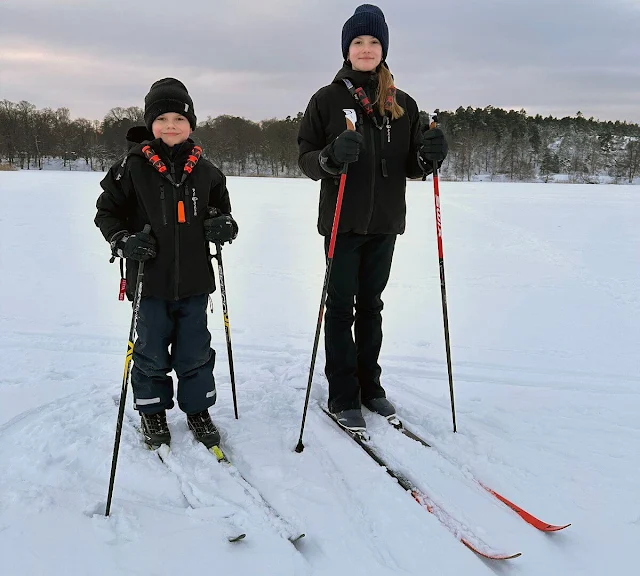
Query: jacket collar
[[366, 80]]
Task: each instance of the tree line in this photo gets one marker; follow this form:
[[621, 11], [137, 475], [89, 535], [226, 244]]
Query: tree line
[[488, 142], [516, 146]]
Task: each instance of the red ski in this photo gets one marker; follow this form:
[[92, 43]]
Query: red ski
[[526, 516], [457, 528]]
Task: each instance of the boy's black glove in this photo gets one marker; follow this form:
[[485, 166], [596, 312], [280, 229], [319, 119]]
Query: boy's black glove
[[222, 228], [139, 246], [344, 149], [433, 146]]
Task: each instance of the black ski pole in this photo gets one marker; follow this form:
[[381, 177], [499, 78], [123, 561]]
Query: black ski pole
[[227, 329], [433, 123], [325, 286], [125, 377]]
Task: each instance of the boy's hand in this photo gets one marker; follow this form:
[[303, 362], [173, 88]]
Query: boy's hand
[[139, 246], [221, 229]]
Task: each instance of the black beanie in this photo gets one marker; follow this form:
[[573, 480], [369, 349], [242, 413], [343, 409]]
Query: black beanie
[[168, 95], [367, 20]]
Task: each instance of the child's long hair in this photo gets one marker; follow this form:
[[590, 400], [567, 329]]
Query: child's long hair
[[385, 81]]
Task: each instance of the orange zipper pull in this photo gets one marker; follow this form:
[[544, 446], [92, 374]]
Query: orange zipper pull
[[181, 218]]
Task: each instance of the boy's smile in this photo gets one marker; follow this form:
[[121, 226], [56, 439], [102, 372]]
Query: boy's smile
[[173, 128]]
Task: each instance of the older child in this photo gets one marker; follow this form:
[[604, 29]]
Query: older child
[[387, 147], [163, 181]]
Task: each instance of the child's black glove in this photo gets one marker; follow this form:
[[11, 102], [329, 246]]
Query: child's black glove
[[433, 146], [139, 246], [344, 149], [222, 228]]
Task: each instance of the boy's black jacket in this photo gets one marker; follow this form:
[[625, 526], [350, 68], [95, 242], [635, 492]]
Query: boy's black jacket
[[373, 203], [182, 267]]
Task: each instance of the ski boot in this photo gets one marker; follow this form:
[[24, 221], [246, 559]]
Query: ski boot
[[383, 407], [155, 429], [203, 429]]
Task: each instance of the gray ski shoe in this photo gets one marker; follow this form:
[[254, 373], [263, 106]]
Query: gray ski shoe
[[380, 406], [351, 420], [155, 429]]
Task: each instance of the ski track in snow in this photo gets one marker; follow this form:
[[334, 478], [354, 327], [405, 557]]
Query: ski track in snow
[[543, 292]]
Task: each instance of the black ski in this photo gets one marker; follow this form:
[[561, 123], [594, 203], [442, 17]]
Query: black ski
[[284, 527], [234, 534]]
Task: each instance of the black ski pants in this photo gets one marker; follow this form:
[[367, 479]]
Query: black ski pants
[[173, 334], [359, 274]]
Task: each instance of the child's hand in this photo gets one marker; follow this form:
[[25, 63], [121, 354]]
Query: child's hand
[[139, 246], [220, 229]]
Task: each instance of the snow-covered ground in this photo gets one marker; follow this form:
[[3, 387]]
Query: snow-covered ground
[[543, 285]]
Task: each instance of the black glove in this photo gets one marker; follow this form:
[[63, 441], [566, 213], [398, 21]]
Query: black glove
[[139, 246], [433, 146], [222, 228], [344, 149]]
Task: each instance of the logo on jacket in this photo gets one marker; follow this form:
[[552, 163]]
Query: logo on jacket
[[195, 202]]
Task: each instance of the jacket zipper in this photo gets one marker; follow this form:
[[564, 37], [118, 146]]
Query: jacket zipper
[[384, 137], [187, 211], [176, 235], [372, 142], [164, 205]]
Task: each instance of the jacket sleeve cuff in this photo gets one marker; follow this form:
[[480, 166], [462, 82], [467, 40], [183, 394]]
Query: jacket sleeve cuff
[[426, 165], [117, 241], [325, 164]]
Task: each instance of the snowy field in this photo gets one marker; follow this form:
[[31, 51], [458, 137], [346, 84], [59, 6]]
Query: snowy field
[[544, 302]]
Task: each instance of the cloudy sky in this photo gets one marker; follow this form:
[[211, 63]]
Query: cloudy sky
[[265, 58]]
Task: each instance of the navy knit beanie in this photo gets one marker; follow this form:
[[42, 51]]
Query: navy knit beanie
[[168, 95], [367, 20]]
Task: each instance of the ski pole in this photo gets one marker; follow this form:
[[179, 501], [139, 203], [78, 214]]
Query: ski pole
[[227, 329], [332, 244], [433, 123], [125, 377]]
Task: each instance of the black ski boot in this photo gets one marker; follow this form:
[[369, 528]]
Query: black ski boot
[[380, 406], [351, 420], [155, 429], [203, 429]]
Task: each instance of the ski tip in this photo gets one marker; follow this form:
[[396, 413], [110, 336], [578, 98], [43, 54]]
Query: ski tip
[[490, 555], [294, 539], [237, 538], [507, 557], [526, 516], [552, 528]]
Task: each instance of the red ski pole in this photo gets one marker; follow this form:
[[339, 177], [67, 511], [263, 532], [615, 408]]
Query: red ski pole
[[327, 274], [433, 123]]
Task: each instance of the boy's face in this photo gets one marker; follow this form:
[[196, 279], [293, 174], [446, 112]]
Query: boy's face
[[173, 128]]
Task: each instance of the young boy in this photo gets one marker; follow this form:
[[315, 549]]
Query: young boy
[[164, 182]]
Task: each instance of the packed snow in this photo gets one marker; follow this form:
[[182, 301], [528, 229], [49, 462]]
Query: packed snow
[[543, 289]]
